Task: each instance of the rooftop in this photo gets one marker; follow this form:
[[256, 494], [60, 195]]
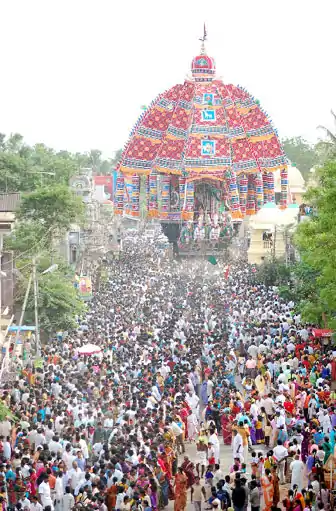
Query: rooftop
[[9, 202]]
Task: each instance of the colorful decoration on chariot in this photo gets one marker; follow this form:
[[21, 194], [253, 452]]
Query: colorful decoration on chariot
[[135, 195], [119, 195], [243, 193], [205, 134], [284, 188], [153, 195], [251, 206], [215, 232], [265, 187], [271, 192], [165, 195], [259, 191]]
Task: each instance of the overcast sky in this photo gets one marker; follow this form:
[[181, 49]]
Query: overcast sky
[[74, 73]]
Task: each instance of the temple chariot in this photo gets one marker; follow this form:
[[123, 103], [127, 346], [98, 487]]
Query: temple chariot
[[200, 158]]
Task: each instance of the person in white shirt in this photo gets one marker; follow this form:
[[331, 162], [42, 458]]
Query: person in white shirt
[[280, 453], [40, 437], [290, 347], [214, 443], [55, 445], [132, 457], [268, 404], [325, 422], [178, 433], [84, 447], [68, 500], [117, 473], [281, 398], [280, 420], [7, 449], [254, 410], [59, 422], [193, 401], [25, 503], [156, 393], [282, 378], [210, 386], [253, 351], [237, 445], [59, 489], [25, 397], [304, 334], [164, 370], [68, 457], [49, 433], [45, 493], [218, 475], [56, 389], [76, 475], [34, 504]]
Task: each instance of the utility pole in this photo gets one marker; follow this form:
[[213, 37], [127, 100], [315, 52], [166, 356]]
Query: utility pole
[[37, 329], [274, 242], [23, 308], [1, 245]]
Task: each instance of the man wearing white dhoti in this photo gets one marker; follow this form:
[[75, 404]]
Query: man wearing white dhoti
[[297, 469], [193, 401], [237, 445]]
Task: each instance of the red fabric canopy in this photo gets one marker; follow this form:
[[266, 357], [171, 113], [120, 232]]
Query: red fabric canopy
[[322, 332]]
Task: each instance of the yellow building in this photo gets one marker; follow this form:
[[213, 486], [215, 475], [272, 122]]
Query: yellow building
[[269, 232], [296, 186], [9, 203]]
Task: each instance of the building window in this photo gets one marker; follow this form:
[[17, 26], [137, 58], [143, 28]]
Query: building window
[[267, 239], [73, 254]]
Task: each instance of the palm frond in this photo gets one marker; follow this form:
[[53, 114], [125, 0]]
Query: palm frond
[[329, 133], [334, 115]]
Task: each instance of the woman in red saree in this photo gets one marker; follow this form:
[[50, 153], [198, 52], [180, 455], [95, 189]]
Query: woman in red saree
[[268, 490], [181, 483], [111, 497], [226, 423], [188, 468], [184, 413]]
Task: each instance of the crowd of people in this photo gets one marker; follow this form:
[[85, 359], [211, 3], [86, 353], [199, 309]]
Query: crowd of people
[[208, 388]]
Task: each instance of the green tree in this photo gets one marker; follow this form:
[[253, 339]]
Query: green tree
[[301, 153], [58, 301], [55, 208], [115, 160], [29, 238], [25, 168], [99, 165], [327, 148], [43, 215], [273, 272], [316, 240], [301, 288], [12, 168], [5, 412], [14, 143]]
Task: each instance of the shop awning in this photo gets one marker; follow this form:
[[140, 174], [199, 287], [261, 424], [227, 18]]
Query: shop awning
[[322, 332]]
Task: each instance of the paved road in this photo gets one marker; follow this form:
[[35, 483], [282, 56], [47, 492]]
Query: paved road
[[225, 462]]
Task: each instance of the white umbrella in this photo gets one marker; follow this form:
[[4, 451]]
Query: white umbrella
[[89, 349]]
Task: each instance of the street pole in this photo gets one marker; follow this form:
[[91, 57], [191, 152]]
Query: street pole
[[5, 362], [1, 245], [37, 329], [24, 307]]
